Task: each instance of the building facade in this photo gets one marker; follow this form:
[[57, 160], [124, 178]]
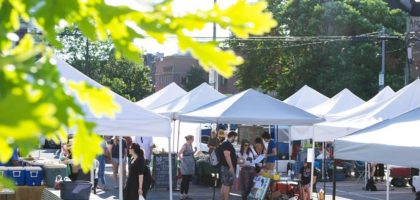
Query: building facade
[[176, 68]]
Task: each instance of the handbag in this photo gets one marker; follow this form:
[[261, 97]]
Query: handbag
[[57, 181]]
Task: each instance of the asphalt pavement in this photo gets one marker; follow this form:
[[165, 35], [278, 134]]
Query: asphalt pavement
[[349, 189]]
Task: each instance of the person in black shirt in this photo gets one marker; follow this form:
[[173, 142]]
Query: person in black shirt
[[134, 186], [305, 177], [228, 163]]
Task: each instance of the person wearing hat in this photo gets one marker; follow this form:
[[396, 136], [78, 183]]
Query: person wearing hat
[[186, 155], [214, 140]]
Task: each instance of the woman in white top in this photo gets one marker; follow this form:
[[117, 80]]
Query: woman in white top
[[245, 160]]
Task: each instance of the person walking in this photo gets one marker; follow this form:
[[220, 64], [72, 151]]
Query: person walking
[[305, 177], [228, 164], [134, 186], [114, 149], [101, 170], [147, 144], [186, 154]]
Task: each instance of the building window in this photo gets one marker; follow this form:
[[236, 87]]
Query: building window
[[167, 69]]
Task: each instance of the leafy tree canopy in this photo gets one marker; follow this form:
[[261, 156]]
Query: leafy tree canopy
[[328, 64], [195, 77], [96, 59], [36, 103]]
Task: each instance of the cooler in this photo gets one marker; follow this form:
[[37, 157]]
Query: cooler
[[70, 190], [416, 183], [400, 172], [3, 171], [33, 176], [286, 187], [51, 171], [17, 174]]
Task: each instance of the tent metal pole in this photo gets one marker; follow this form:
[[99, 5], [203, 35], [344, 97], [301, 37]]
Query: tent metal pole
[[179, 133], [312, 169], [323, 161], [323, 165], [276, 131], [366, 172], [92, 174], [173, 133], [290, 142], [334, 180], [387, 181], [170, 169], [120, 188]]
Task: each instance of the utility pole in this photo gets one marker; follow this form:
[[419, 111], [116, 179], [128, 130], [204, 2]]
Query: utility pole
[[213, 75], [382, 73]]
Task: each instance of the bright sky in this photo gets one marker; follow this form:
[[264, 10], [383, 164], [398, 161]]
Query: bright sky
[[180, 7]]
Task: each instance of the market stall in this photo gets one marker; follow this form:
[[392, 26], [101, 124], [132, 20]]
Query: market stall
[[129, 120]]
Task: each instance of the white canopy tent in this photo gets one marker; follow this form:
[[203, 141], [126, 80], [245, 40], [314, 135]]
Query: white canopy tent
[[383, 95], [404, 100], [306, 98], [199, 96], [131, 120], [250, 107], [397, 138], [162, 97], [253, 108], [342, 101]]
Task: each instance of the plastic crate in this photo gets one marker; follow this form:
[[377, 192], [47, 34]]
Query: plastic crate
[[51, 171], [34, 176], [70, 190], [17, 174]]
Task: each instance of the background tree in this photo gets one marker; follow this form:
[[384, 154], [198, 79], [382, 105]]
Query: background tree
[[36, 103], [96, 60], [195, 77], [328, 64]]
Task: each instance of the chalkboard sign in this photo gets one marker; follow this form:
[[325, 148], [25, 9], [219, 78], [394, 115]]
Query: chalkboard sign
[[259, 189], [161, 170]]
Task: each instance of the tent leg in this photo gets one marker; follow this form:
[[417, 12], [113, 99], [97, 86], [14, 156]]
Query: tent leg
[[366, 172], [290, 143], [120, 188], [387, 182], [312, 169], [179, 133], [323, 161], [334, 180], [173, 134], [92, 174], [276, 138], [324, 149], [170, 169]]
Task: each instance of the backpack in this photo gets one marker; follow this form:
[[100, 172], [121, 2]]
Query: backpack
[[214, 160], [148, 181]]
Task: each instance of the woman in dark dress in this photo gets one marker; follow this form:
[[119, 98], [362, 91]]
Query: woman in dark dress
[[134, 185]]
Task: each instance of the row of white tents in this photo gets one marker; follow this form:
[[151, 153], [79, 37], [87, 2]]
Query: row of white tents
[[344, 114]]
